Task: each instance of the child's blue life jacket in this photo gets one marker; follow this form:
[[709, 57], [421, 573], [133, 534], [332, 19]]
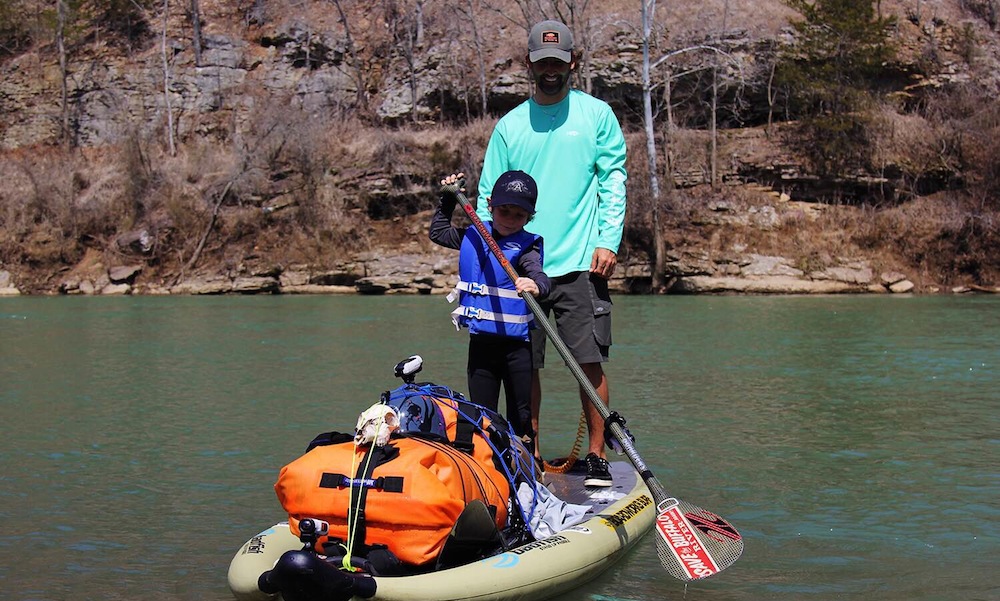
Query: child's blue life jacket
[[488, 300]]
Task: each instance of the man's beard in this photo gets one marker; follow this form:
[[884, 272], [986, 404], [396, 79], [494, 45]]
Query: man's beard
[[551, 88]]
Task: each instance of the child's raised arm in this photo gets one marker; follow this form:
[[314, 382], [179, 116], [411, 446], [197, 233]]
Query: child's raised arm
[[441, 231]]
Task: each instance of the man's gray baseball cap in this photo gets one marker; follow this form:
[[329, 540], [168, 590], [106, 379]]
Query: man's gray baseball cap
[[550, 39]]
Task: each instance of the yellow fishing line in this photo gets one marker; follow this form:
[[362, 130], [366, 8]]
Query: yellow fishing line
[[352, 501]]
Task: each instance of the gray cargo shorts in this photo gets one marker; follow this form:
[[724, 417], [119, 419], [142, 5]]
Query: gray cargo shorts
[[582, 307]]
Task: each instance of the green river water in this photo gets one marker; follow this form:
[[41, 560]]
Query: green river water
[[852, 440]]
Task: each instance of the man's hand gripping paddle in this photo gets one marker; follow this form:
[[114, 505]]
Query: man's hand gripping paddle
[[693, 543]]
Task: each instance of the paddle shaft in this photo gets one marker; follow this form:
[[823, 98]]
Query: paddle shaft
[[693, 543], [657, 490]]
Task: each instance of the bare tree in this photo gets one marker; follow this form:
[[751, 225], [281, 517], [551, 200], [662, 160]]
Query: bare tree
[[671, 76], [715, 104], [404, 27], [480, 61], [63, 67], [771, 96], [360, 79], [659, 245], [467, 26], [166, 80], [648, 14], [409, 39], [196, 32], [713, 159]]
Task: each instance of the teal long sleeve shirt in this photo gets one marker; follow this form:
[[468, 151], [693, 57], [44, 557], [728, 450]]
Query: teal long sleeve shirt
[[575, 151]]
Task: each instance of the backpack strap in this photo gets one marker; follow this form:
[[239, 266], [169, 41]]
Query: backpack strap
[[328, 438], [469, 419], [465, 428]]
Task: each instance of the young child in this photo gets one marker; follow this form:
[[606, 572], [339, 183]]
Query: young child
[[490, 305]]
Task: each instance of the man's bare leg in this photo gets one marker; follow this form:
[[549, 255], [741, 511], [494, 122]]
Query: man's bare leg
[[595, 424]]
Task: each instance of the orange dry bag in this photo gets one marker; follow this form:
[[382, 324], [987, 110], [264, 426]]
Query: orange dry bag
[[411, 492]]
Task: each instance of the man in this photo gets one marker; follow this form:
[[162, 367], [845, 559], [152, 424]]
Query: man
[[572, 145]]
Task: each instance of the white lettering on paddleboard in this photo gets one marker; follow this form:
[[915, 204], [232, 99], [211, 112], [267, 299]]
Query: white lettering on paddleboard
[[692, 555]]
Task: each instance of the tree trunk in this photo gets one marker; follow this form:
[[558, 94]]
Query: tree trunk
[[63, 67], [166, 81], [480, 62], [419, 18], [658, 252], [715, 99], [196, 32], [359, 74], [714, 159], [770, 99]]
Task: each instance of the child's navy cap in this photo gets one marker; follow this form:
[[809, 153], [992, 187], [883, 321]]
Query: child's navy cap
[[515, 188]]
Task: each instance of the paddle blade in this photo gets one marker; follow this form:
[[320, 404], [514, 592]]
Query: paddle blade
[[694, 543]]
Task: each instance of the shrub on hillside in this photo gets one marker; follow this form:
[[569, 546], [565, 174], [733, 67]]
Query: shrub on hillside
[[969, 119], [15, 27]]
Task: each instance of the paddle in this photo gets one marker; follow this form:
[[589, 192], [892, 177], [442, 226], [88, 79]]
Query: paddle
[[693, 543]]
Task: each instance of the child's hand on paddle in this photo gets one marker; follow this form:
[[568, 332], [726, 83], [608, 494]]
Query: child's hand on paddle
[[455, 179], [526, 285]]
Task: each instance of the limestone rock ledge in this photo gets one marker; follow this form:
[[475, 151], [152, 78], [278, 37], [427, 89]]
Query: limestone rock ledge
[[421, 274], [688, 271], [7, 287], [767, 285]]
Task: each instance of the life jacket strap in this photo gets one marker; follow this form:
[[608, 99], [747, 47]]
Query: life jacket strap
[[474, 313], [482, 290]]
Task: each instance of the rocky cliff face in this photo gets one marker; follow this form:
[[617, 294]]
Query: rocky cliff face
[[302, 58]]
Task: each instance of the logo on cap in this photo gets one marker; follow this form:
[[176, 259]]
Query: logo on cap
[[550, 37], [517, 186]]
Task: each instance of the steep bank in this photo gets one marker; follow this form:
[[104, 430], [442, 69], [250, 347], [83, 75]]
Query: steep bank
[[736, 238], [287, 155], [753, 241]]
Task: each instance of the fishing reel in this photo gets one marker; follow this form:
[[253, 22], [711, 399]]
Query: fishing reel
[[408, 368]]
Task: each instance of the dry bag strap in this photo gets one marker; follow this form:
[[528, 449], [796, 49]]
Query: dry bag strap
[[383, 483], [356, 514]]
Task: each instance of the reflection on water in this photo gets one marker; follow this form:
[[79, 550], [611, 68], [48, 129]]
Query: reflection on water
[[852, 440]]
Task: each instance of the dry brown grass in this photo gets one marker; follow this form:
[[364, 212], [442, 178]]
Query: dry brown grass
[[56, 205], [942, 237], [919, 147], [49, 209]]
